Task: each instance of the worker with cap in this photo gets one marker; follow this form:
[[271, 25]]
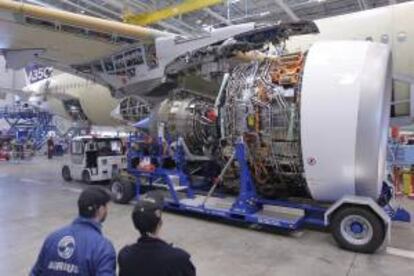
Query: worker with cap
[[151, 256], [80, 248]]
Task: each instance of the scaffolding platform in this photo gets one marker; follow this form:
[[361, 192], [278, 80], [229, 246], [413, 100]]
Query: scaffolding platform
[[28, 123]]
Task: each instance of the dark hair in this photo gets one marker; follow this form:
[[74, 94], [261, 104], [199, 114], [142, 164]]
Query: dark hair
[[91, 199], [145, 222]]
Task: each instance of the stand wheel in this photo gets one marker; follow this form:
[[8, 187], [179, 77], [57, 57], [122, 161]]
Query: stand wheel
[[86, 177], [123, 191], [358, 229], [66, 174]]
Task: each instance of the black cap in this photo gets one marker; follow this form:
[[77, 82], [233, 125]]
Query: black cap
[[91, 199], [147, 212]]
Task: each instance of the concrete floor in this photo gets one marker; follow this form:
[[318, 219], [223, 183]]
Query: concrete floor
[[35, 201]]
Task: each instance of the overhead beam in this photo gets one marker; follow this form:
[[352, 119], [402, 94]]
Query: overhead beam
[[170, 11], [73, 5], [83, 21], [119, 15], [146, 8], [218, 16], [101, 7], [172, 28], [287, 10]]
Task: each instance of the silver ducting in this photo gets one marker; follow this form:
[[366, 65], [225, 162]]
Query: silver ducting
[[190, 117]]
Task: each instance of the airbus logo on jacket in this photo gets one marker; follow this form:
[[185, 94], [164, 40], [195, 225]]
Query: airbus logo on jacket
[[77, 249]]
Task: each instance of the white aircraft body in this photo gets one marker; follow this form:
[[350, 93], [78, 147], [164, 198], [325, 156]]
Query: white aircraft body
[[393, 25], [138, 68], [74, 98]]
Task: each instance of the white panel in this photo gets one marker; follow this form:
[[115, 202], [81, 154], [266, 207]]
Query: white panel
[[335, 76]]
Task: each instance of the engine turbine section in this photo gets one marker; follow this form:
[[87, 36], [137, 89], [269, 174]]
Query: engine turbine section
[[262, 104], [191, 117]]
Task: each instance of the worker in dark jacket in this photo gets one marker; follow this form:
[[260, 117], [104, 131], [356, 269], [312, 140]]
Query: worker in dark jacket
[[80, 248], [50, 147], [151, 256]]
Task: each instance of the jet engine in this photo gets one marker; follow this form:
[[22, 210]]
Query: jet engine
[[313, 123]]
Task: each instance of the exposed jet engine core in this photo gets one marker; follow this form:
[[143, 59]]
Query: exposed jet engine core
[[313, 123], [262, 104], [191, 117]]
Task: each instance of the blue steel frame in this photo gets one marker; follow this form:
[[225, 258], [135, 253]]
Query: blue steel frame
[[247, 206], [35, 123]]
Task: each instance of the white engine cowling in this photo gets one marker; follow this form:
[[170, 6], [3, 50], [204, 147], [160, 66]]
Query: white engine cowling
[[346, 93]]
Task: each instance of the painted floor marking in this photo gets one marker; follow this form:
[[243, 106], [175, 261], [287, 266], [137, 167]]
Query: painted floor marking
[[400, 252], [74, 190], [32, 181]]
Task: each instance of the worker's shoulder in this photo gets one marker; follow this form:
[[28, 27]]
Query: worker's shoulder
[[59, 233], [107, 244], [80, 232], [162, 249], [176, 253]]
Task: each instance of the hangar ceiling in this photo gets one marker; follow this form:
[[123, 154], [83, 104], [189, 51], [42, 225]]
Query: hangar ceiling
[[229, 12]]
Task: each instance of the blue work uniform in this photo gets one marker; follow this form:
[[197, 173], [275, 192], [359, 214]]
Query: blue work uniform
[[77, 249]]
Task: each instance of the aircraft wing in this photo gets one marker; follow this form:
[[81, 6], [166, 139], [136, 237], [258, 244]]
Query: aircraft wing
[[30, 33]]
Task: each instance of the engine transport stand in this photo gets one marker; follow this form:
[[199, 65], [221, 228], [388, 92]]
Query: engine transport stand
[[357, 223]]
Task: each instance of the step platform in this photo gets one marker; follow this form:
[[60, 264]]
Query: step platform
[[274, 216]]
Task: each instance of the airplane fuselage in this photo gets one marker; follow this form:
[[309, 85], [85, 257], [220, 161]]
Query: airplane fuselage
[[75, 98], [392, 25]]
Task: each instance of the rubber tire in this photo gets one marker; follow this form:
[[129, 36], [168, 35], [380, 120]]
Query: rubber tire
[[86, 177], [66, 174], [377, 225], [123, 191]]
